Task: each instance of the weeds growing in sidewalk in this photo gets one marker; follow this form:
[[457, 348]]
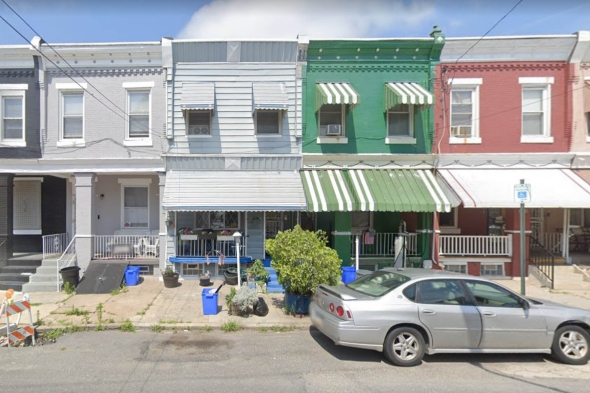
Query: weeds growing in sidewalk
[[156, 328], [282, 329], [263, 329], [121, 289], [127, 326], [205, 328], [69, 289], [77, 312], [231, 326]]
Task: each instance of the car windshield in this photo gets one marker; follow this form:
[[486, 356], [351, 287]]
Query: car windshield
[[378, 283]]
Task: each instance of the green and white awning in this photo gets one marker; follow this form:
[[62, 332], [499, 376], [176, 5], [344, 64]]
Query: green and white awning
[[396, 190], [335, 93], [406, 93]]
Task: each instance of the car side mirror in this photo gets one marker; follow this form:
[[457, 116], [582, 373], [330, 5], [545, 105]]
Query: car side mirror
[[525, 305]]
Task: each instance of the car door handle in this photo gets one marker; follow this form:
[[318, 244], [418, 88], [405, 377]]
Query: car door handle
[[427, 311], [489, 314]]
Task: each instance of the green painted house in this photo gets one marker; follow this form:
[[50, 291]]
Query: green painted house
[[367, 137]]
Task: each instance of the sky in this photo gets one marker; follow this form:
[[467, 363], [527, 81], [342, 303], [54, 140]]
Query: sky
[[71, 21]]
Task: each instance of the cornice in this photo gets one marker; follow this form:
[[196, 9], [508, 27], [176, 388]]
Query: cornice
[[107, 72], [17, 73], [553, 66], [368, 67]]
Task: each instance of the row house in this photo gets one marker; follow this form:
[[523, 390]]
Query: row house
[[88, 172], [504, 114], [368, 122], [234, 128]]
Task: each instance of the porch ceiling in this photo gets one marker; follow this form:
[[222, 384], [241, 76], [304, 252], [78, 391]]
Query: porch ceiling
[[494, 188], [399, 190], [233, 191]]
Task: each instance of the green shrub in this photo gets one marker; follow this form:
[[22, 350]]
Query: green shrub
[[257, 270], [231, 326]]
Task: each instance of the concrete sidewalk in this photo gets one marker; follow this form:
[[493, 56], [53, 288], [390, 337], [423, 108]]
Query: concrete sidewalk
[[149, 304]]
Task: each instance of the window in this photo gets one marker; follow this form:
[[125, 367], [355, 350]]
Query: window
[[12, 114], [216, 220], [198, 123], [331, 119], [267, 122], [399, 121], [464, 103], [491, 295], [139, 114], [536, 110], [588, 124], [448, 219], [491, 270], [378, 283], [361, 219], [72, 115], [456, 268], [135, 207], [579, 217], [447, 292]]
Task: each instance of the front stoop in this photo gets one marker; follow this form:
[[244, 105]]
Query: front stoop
[[44, 279], [18, 270], [273, 285]]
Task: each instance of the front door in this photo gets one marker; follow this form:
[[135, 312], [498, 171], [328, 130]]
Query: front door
[[273, 223], [444, 309], [506, 323]]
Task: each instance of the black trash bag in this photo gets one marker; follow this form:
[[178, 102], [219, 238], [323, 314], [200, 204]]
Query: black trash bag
[[260, 309]]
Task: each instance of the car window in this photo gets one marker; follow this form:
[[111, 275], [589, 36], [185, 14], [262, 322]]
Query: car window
[[492, 295], [410, 292], [378, 283], [439, 291]]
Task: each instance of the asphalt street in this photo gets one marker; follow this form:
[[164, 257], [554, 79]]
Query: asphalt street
[[254, 361]]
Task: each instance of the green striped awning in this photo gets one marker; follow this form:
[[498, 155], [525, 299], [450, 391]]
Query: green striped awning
[[397, 190], [406, 93], [335, 93]]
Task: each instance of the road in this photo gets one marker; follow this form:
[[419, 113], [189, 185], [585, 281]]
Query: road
[[253, 361]]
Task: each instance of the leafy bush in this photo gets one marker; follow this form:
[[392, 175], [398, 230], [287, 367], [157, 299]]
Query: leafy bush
[[303, 260], [229, 297], [245, 298], [257, 270]]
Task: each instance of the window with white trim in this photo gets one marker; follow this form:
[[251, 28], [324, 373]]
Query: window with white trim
[[135, 207], [198, 123], [491, 269], [138, 109], [331, 120], [464, 110], [72, 113], [399, 121], [12, 114], [268, 122], [448, 219], [536, 109], [217, 220], [462, 268]]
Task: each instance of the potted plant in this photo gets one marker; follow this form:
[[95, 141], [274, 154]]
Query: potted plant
[[302, 261], [205, 279], [170, 277], [188, 234], [258, 271], [242, 301], [225, 235]]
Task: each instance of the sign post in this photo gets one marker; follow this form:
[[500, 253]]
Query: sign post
[[522, 193]]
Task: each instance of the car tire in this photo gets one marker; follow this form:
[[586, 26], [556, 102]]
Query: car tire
[[404, 347], [571, 345]]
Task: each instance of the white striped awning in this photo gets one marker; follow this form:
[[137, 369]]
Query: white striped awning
[[197, 96], [227, 190], [407, 93], [270, 96], [335, 93]]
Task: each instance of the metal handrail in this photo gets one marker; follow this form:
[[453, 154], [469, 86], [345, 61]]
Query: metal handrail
[[66, 259], [542, 259], [53, 244]]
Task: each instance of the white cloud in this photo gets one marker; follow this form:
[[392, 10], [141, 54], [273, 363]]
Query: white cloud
[[225, 19]]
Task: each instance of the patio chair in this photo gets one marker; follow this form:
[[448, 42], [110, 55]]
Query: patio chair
[[139, 248], [152, 249]]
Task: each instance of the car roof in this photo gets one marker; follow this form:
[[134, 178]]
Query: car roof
[[415, 273]]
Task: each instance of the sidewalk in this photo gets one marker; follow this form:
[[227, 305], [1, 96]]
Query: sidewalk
[[150, 304]]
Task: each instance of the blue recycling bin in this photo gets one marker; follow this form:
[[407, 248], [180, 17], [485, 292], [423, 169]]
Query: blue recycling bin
[[210, 299], [132, 276], [348, 274]]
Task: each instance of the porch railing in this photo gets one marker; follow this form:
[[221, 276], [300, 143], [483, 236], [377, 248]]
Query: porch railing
[[475, 245], [553, 242], [55, 245], [126, 247], [384, 245], [543, 261], [67, 258], [201, 247]]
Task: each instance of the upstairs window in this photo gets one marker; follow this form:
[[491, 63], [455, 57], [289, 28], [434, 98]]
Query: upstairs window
[[198, 122], [331, 120], [72, 115], [536, 110], [268, 122], [464, 108], [139, 114], [12, 118], [399, 121]]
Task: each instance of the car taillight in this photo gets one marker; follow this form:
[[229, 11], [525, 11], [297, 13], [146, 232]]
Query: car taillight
[[331, 307], [340, 311]]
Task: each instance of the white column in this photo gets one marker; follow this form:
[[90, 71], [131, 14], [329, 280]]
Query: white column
[[164, 232], [85, 208], [565, 241]]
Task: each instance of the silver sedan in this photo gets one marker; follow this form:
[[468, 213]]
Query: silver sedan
[[407, 313]]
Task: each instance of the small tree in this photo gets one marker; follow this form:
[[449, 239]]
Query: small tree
[[303, 260]]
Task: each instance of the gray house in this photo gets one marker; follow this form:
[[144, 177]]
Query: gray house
[[234, 124], [100, 137]]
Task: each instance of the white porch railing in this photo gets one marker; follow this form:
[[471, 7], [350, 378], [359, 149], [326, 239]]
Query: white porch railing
[[553, 241], [475, 245], [66, 259], [384, 245], [202, 247], [54, 245], [126, 247]]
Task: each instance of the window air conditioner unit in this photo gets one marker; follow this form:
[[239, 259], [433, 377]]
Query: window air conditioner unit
[[334, 129], [205, 130], [198, 130], [461, 132]]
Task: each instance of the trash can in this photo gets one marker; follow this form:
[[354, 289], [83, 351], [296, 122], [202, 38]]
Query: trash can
[[71, 275], [210, 298], [132, 276], [348, 274]]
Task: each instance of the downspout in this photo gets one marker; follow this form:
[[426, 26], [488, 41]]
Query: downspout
[[40, 70]]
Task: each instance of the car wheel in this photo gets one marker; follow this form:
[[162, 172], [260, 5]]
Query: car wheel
[[404, 347], [570, 345]]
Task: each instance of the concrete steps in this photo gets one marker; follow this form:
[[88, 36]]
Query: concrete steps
[[44, 279], [17, 271], [273, 285], [569, 277]]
